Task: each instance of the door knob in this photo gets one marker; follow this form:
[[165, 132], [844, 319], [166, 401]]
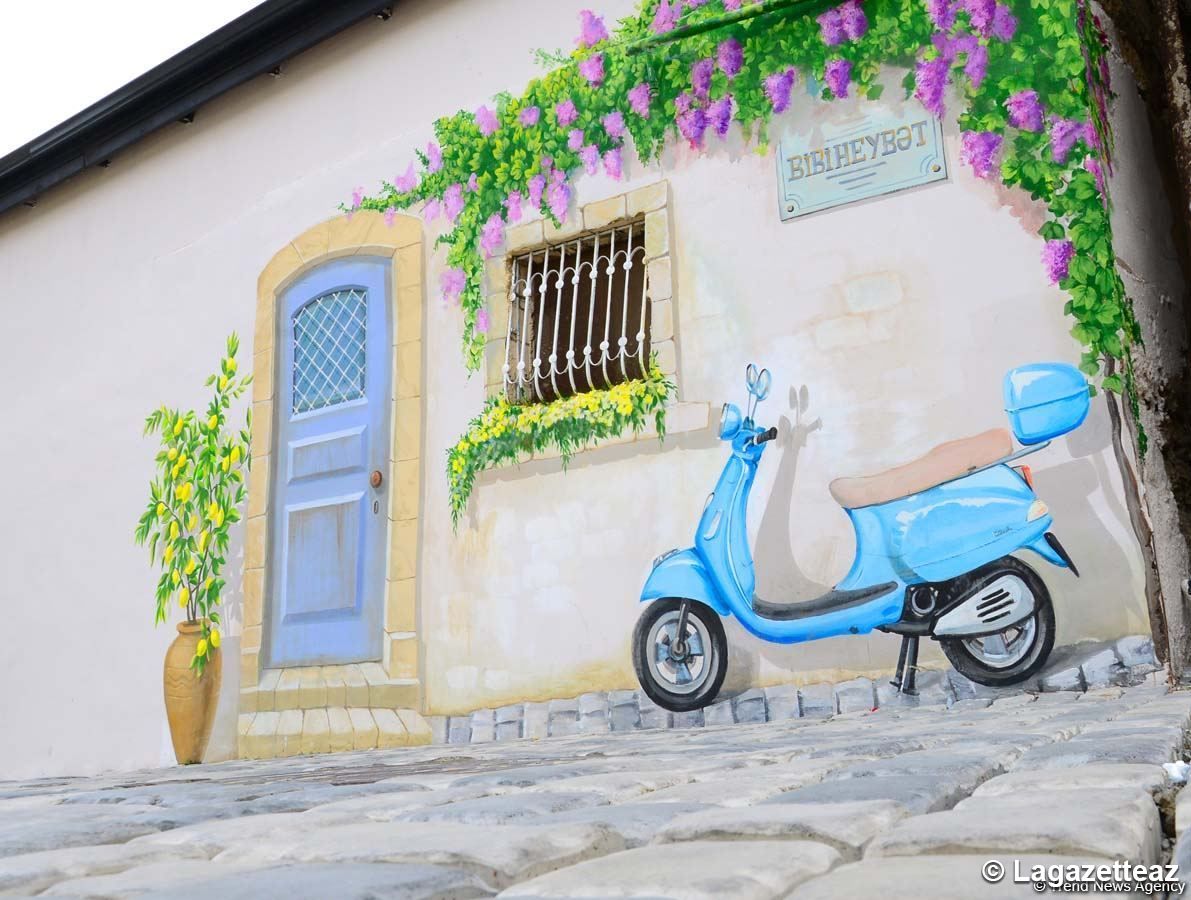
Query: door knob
[[376, 478]]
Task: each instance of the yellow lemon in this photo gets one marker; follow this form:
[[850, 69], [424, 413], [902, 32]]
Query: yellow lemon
[[215, 637], [173, 454], [177, 428], [184, 491], [219, 519], [231, 368], [235, 455], [182, 601], [184, 596], [201, 649], [207, 584], [191, 565], [223, 382], [169, 554], [175, 577], [202, 541], [192, 522], [225, 463], [212, 422], [160, 510], [173, 531], [212, 509]]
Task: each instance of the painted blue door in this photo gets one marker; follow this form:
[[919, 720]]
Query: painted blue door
[[330, 523]]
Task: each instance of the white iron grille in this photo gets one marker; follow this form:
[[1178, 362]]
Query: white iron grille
[[578, 316], [330, 335]]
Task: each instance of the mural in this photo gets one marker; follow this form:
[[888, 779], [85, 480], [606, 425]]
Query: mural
[[1033, 76], [934, 539]]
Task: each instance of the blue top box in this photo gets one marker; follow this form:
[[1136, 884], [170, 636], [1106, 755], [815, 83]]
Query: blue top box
[[1046, 400]]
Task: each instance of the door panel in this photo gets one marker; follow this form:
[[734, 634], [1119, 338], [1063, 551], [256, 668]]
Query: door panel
[[330, 526]]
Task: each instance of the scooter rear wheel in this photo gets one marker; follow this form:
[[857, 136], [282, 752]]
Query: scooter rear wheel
[[1014, 654], [680, 675]]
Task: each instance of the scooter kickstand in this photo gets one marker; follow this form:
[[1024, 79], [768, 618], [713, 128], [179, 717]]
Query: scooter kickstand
[[901, 663], [908, 686]]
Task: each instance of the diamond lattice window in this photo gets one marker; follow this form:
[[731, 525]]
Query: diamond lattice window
[[329, 341]]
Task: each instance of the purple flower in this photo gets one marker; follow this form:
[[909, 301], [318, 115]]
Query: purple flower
[[683, 102], [1025, 111], [452, 202], [357, 197], [482, 320], [487, 120], [719, 115], [513, 207], [732, 5], [565, 112], [701, 73], [853, 20], [592, 68], [537, 186], [1063, 135], [639, 98], [529, 116], [778, 87], [838, 76], [590, 157], [559, 197], [390, 216], [831, 28], [977, 65], [591, 29], [492, 234], [1057, 256], [431, 209], [407, 182], [452, 282], [692, 123], [614, 124], [942, 13], [433, 157], [575, 139], [980, 149], [930, 80], [980, 14], [666, 18], [729, 56], [1090, 136], [1004, 23], [612, 163], [473, 183]]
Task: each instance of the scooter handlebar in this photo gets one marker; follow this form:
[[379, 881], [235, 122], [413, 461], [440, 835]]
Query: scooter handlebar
[[765, 436]]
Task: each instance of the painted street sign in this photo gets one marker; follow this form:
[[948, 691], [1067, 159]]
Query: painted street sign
[[873, 153]]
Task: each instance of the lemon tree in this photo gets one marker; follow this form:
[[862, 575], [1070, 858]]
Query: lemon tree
[[194, 500]]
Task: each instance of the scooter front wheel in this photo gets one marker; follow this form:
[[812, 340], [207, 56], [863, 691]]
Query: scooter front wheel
[[680, 673]]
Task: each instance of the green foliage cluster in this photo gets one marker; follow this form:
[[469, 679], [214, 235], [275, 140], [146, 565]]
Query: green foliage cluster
[[505, 431], [194, 501]]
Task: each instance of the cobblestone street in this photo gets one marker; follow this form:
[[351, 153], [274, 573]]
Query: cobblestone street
[[891, 803]]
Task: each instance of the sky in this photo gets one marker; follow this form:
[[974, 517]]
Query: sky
[[58, 58]]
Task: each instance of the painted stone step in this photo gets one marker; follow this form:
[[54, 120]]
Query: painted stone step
[[319, 687], [291, 732]]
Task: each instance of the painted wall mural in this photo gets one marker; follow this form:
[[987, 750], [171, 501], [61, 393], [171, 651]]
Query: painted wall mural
[[1032, 74]]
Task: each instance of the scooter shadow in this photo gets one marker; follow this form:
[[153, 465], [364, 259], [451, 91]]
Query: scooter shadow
[[779, 575]]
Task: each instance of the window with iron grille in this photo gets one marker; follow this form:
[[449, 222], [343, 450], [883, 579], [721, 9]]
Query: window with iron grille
[[579, 315]]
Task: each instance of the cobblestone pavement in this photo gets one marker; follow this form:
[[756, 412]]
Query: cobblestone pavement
[[892, 803]]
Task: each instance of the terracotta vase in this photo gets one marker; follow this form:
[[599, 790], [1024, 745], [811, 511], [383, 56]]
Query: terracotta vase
[[190, 700]]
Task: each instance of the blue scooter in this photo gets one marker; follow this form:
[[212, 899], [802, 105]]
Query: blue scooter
[[934, 540]]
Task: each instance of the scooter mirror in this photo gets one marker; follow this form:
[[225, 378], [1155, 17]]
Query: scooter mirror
[[763, 384], [750, 377]]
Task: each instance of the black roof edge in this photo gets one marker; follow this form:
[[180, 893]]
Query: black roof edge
[[251, 45]]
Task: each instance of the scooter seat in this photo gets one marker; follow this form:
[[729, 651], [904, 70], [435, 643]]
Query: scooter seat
[[832, 601], [944, 463]]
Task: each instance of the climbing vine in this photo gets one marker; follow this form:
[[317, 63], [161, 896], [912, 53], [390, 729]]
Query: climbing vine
[[1031, 76]]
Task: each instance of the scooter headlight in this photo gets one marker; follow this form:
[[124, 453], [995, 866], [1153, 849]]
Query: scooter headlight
[[730, 421], [1038, 509]]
